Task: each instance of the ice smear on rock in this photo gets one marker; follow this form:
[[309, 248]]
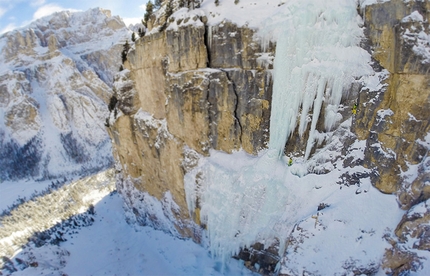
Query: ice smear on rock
[[258, 199]]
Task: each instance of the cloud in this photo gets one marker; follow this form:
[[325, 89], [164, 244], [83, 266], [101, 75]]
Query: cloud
[[46, 10], [2, 11], [36, 3], [8, 28], [131, 20], [143, 7]]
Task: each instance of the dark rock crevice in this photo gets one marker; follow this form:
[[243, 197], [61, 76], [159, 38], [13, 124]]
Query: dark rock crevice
[[236, 105], [206, 42]]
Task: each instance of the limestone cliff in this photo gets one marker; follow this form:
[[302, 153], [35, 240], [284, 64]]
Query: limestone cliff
[[395, 120], [190, 106], [193, 87]]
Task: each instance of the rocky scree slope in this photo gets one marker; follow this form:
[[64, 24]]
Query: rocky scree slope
[[196, 83], [55, 82]]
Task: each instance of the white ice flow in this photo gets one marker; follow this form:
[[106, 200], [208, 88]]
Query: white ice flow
[[317, 60], [246, 199]]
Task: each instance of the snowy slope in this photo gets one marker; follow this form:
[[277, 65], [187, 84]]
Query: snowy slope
[[104, 244], [55, 83], [45, 211], [249, 199]]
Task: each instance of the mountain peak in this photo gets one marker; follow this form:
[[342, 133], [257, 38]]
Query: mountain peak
[[56, 73]]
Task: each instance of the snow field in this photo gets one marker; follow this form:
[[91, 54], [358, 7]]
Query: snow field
[[246, 199], [110, 246], [44, 212]]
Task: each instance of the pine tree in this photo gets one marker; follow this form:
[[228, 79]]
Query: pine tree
[[126, 46], [141, 32], [236, 2], [124, 52], [187, 3], [157, 4], [123, 56], [133, 37], [181, 3], [112, 103], [169, 9], [216, 3], [148, 13]]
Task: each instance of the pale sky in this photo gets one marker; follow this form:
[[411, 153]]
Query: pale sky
[[18, 13]]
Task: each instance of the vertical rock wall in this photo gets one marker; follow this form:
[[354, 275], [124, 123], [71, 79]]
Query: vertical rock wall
[[394, 121], [184, 92]]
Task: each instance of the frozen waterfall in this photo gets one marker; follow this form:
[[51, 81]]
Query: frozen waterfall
[[317, 59], [244, 199]]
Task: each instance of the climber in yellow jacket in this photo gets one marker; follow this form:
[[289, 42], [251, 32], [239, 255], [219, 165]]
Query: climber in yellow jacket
[[354, 109]]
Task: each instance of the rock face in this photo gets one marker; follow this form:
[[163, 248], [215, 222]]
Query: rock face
[[193, 87], [55, 83], [173, 104], [395, 120], [401, 119]]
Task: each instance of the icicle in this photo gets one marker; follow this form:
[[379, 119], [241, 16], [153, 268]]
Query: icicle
[[284, 105], [318, 43], [315, 115]]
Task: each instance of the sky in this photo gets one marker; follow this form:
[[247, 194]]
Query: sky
[[19, 13]]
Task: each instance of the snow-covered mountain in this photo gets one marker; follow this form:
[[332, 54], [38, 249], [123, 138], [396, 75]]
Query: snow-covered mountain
[[55, 83], [311, 158]]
